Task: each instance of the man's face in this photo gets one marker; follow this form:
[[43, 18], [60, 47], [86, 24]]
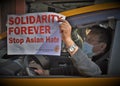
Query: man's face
[[94, 39]]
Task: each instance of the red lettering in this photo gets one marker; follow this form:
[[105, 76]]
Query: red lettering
[[58, 17], [49, 18], [30, 30], [17, 30], [23, 30], [53, 18], [38, 20], [10, 40], [41, 29], [44, 18], [10, 30], [16, 40], [32, 19], [27, 19], [47, 29], [36, 29], [17, 20], [23, 21], [11, 21]]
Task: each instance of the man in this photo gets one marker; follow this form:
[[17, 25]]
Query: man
[[96, 43]]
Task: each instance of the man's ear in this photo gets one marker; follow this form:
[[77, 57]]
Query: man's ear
[[103, 46]]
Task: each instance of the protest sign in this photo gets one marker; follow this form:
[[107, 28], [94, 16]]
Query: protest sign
[[34, 33]]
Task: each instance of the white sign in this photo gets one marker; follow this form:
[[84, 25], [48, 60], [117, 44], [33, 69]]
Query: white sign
[[34, 33]]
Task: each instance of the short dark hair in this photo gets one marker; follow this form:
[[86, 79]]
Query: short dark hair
[[105, 35]]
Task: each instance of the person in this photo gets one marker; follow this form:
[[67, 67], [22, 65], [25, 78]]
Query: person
[[97, 43]]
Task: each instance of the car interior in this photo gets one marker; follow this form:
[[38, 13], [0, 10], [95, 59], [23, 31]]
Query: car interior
[[24, 65], [20, 65]]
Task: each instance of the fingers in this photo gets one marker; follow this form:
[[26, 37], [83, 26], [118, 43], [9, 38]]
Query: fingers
[[42, 72], [63, 21], [39, 71], [65, 29], [64, 25]]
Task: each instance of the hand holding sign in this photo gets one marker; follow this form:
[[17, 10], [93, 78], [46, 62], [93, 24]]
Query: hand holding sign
[[34, 33], [66, 29]]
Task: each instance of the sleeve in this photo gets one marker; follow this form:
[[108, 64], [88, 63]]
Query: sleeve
[[68, 70], [85, 65]]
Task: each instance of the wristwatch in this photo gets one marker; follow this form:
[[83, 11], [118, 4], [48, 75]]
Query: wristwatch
[[72, 48]]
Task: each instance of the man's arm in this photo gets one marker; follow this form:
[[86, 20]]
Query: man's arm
[[80, 60], [84, 64]]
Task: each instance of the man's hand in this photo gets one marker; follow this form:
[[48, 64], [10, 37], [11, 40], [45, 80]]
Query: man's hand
[[65, 29], [42, 72]]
